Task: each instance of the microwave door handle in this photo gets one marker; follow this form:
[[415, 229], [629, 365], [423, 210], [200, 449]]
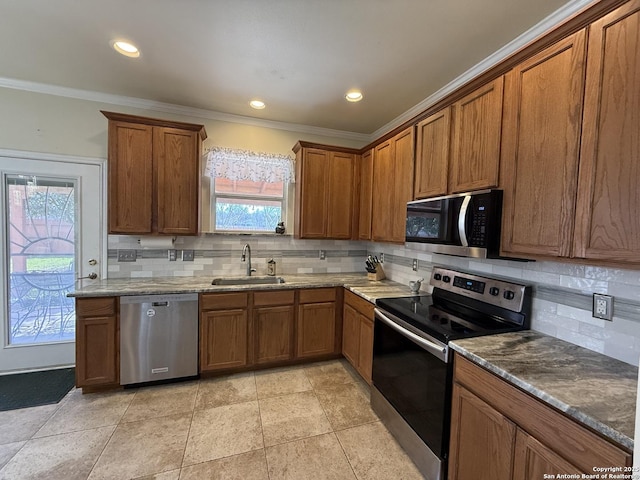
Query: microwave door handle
[[462, 221]]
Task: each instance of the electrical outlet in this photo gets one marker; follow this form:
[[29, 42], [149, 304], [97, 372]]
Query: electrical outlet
[[415, 265], [322, 254], [602, 306], [381, 257], [187, 255], [172, 255], [126, 255]]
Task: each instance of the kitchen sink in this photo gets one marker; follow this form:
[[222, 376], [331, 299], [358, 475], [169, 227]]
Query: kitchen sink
[[247, 281]]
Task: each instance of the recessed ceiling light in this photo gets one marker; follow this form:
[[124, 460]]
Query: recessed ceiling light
[[353, 96], [125, 48], [257, 104]]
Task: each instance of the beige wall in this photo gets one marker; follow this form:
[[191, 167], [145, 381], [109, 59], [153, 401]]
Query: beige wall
[[47, 123]]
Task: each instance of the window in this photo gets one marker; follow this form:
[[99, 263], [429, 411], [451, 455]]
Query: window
[[249, 189]]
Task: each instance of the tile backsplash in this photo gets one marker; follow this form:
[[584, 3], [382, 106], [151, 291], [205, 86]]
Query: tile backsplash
[[562, 292], [219, 254]]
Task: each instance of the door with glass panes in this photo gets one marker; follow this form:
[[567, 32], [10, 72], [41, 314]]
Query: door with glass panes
[[52, 226]]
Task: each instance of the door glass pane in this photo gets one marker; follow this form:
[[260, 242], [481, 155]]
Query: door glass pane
[[41, 257]]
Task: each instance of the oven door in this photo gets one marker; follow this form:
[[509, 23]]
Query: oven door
[[412, 372]]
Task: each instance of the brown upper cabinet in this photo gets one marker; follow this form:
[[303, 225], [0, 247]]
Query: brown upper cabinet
[[392, 186], [541, 141], [570, 148], [475, 149], [607, 222], [432, 155], [458, 148], [366, 192], [154, 175], [325, 191]]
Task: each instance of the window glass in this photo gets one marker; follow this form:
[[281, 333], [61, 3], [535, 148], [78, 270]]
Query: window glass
[[248, 206]]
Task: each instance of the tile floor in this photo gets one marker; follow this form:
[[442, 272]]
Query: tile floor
[[303, 423]]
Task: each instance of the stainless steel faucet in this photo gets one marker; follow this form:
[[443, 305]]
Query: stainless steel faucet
[[247, 249]]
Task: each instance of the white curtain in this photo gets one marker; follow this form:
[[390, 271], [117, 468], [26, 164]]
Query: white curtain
[[247, 165]]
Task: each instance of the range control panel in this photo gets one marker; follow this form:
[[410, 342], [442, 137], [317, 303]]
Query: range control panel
[[501, 293]]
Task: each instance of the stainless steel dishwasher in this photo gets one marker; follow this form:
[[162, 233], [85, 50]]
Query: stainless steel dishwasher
[[158, 337]]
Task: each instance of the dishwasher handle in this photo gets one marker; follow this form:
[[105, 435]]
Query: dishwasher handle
[[160, 304]]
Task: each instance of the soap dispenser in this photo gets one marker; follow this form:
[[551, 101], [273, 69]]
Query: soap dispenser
[[271, 267]]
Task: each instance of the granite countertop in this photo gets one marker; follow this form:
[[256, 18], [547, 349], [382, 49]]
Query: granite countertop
[[358, 283], [596, 390]]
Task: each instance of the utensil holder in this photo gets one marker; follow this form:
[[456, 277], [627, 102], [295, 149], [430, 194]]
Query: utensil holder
[[379, 275]]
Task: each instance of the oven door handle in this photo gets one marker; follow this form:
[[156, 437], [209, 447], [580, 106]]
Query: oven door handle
[[439, 351]]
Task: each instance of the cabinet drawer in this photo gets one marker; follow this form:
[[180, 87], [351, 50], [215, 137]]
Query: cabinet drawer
[[222, 301], [283, 297], [358, 303], [93, 307], [316, 295]]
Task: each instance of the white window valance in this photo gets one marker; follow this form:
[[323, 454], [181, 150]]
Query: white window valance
[[246, 165]]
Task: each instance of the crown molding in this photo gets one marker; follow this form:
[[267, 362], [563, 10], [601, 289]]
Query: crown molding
[[146, 104], [563, 13]]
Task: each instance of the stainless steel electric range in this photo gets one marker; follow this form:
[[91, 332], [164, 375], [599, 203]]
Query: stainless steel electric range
[[412, 363]]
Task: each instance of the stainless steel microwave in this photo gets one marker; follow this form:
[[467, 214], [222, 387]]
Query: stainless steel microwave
[[466, 224]]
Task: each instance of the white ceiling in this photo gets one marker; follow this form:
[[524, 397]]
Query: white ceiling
[[299, 56]]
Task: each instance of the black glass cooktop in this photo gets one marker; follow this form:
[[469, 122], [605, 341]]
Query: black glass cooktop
[[443, 320]]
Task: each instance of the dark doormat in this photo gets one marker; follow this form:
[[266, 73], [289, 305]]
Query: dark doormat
[[23, 390]]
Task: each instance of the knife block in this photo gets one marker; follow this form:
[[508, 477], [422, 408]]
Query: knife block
[[379, 275]]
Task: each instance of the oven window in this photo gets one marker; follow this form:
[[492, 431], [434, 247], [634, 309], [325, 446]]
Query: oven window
[[416, 384]]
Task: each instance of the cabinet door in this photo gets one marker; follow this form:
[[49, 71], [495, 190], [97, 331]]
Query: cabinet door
[[340, 195], [316, 329], [403, 160], [366, 191], [130, 177], [482, 439], [311, 192], [273, 333], [607, 221], [365, 354], [541, 135], [223, 339], [177, 172], [533, 460], [432, 155], [383, 188], [96, 351], [351, 335], [476, 139]]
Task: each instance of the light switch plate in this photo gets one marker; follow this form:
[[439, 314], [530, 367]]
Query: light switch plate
[[187, 255], [602, 306]]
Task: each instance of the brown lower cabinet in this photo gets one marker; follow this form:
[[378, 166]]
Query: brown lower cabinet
[[316, 323], [499, 432], [238, 330], [224, 327], [97, 342], [357, 334], [273, 316]]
